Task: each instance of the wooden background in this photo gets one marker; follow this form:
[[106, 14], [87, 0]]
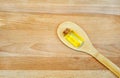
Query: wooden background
[[29, 43]]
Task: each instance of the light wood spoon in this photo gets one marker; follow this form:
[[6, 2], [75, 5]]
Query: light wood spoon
[[87, 47]]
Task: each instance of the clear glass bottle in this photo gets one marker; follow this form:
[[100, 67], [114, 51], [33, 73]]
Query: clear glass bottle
[[73, 38]]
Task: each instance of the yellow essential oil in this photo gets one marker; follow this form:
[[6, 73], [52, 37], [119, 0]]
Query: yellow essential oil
[[73, 38]]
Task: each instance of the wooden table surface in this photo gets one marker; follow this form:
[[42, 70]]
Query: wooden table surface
[[29, 46]]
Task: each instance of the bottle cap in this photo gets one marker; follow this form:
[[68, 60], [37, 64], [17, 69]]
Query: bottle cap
[[66, 31]]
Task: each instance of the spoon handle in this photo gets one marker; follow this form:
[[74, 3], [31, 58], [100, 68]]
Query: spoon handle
[[105, 61]]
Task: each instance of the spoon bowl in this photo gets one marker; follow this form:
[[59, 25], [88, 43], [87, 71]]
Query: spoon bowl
[[86, 47]]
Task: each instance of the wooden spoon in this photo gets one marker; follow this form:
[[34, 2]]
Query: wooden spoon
[[87, 47]]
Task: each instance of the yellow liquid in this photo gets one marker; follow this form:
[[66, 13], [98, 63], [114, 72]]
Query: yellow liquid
[[74, 39]]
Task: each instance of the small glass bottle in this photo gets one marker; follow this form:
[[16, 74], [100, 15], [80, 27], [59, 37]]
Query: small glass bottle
[[73, 38]]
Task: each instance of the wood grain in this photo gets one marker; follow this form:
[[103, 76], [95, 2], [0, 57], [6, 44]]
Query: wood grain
[[56, 74], [62, 6], [29, 46], [52, 63], [29, 41]]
